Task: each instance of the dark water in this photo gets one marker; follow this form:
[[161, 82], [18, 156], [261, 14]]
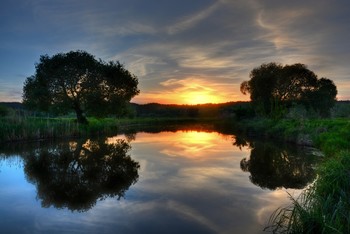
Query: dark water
[[193, 181]]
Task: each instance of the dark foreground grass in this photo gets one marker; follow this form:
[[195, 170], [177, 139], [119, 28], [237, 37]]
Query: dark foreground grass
[[324, 207]]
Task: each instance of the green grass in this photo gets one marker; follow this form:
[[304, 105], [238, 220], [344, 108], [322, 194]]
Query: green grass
[[330, 135], [324, 207], [20, 128], [26, 128]]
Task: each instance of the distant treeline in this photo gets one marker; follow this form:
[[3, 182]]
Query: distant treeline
[[229, 109], [13, 105], [237, 110], [155, 110]]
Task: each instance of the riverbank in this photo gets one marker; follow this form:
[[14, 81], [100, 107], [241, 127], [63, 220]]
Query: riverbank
[[22, 128], [325, 206], [329, 135]]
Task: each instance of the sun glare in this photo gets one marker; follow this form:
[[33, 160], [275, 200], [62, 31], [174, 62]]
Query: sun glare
[[191, 144], [199, 98], [198, 138]]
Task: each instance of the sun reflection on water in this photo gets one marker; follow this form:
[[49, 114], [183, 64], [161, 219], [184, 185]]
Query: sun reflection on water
[[187, 178], [197, 141], [193, 144]]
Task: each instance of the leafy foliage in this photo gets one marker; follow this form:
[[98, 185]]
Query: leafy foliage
[[77, 81], [273, 87]]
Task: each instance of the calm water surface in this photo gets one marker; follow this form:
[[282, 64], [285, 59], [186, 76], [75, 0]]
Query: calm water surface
[[167, 182]]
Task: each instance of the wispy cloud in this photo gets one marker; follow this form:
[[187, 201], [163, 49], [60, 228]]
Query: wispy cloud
[[189, 22], [202, 40]]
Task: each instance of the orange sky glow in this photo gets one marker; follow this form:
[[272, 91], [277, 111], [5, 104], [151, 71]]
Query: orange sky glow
[[191, 91], [193, 53], [186, 98]]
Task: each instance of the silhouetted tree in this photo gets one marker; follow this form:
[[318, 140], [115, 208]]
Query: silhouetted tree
[[261, 86], [322, 98], [271, 167], [240, 142], [272, 86], [77, 81], [75, 175]]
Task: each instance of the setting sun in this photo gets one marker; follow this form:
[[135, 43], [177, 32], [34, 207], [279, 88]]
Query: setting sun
[[190, 91], [199, 98]]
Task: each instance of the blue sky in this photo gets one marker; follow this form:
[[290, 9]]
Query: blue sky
[[182, 52]]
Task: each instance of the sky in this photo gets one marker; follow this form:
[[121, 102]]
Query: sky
[[183, 52]]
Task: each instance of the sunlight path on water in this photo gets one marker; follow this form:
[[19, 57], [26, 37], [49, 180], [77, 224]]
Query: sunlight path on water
[[188, 182]]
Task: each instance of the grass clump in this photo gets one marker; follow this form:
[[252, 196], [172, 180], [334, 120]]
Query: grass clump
[[20, 128], [330, 135], [17, 128], [322, 208]]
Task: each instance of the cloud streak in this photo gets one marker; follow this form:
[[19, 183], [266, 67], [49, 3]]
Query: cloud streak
[[189, 22], [204, 41]]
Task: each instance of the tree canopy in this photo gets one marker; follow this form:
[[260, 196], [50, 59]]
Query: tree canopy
[[79, 82], [273, 85]]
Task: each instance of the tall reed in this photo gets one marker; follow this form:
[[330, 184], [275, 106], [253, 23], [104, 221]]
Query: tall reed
[[324, 207], [21, 127]]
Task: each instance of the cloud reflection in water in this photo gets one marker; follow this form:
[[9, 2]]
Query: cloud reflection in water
[[188, 182]]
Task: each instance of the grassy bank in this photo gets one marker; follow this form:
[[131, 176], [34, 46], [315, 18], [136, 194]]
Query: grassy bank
[[22, 128], [330, 135], [325, 206]]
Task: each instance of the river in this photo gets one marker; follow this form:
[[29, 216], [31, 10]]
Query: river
[[192, 180]]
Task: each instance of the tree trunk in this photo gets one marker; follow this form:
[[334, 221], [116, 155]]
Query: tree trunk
[[80, 115]]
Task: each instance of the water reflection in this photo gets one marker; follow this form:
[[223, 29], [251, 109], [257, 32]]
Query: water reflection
[[190, 180], [275, 167], [76, 174]]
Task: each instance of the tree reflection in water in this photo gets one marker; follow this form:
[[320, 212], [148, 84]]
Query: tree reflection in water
[[75, 175], [272, 167]]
